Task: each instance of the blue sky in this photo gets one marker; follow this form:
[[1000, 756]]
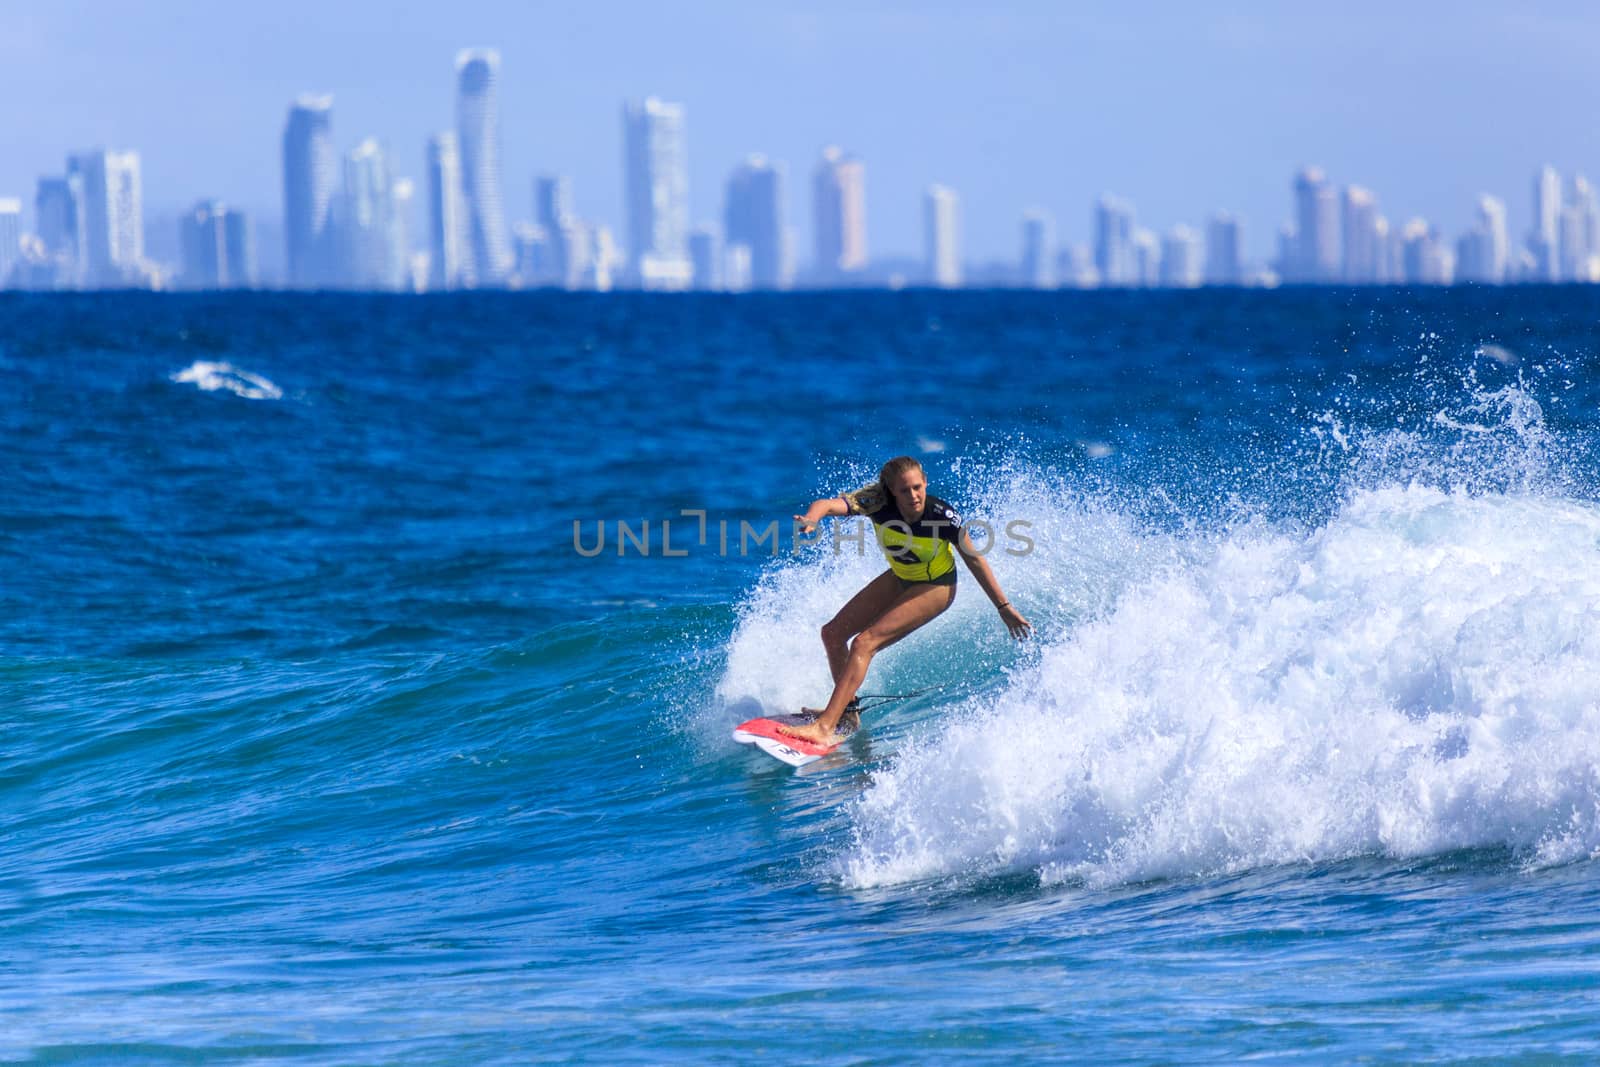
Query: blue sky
[[1183, 108]]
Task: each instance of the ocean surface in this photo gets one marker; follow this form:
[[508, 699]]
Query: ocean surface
[[367, 666]]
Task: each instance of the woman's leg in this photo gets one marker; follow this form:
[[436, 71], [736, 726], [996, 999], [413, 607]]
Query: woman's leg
[[875, 598], [912, 609]]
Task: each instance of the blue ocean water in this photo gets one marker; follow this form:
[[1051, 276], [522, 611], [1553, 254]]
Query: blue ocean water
[[331, 739]]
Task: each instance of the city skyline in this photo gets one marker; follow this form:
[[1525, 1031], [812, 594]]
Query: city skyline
[[1180, 111]]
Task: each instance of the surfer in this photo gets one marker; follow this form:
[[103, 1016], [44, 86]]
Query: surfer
[[916, 532]]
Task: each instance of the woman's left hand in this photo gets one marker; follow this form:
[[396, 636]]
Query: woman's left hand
[[1019, 627]]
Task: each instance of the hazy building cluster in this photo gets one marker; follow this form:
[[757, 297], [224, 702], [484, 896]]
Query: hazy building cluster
[[347, 225]]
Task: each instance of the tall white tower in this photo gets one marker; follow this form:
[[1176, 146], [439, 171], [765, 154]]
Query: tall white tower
[[309, 169], [10, 238], [478, 131], [446, 212], [656, 171], [1363, 251], [941, 228], [113, 216], [1317, 227], [839, 215], [1545, 240]]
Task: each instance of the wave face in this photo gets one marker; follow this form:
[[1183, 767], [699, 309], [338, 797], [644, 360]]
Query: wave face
[[1412, 677]]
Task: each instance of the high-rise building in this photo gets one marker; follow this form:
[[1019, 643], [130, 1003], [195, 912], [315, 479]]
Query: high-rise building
[[554, 215], [57, 209], [705, 252], [1363, 252], [839, 210], [478, 131], [10, 238], [1180, 258], [1146, 259], [1224, 250], [1426, 258], [1544, 242], [1316, 259], [1580, 233], [1482, 252], [447, 251], [238, 249], [366, 221], [754, 219], [402, 194], [656, 172], [1113, 242], [552, 200], [309, 172], [1038, 249], [941, 236], [113, 218], [217, 249]]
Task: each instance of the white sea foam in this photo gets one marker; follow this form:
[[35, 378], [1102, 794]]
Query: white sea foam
[[1420, 673], [212, 377]]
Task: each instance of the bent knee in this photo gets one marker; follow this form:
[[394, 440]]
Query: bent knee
[[834, 633], [867, 642]]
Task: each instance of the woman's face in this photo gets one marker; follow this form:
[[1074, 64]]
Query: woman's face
[[910, 491]]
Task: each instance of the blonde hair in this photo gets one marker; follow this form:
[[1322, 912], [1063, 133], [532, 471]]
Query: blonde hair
[[894, 469]]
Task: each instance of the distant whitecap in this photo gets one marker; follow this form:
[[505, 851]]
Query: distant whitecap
[[214, 376], [929, 444]]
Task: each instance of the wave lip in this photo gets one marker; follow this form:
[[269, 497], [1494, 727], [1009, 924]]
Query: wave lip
[[212, 377], [1416, 676]]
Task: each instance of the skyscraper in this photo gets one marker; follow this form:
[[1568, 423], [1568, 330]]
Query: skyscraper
[[656, 172], [57, 209], [218, 251], [478, 128], [839, 215], [1363, 245], [10, 238], [1224, 250], [446, 211], [1580, 233], [1146, 259], [308, 190], [113, 218], [366, 221], [1038, 249], [1545, 239], [1180, 258], [553, 210], [1482, 252], [754, 219], [1424, 255], [1316, 259], [941, 236], [1113, 242], [552, 200]]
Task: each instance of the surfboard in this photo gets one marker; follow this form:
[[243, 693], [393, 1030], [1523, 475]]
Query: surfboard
[[766, 733]]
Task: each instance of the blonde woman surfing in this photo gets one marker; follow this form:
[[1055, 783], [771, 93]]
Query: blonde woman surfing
[[917, 533]]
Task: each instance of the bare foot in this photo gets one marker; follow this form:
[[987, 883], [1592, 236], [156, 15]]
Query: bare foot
[[813, 733]]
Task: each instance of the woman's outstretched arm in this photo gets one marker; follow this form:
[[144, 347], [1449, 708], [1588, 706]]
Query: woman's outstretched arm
[[1019, 626], [821, 509]]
